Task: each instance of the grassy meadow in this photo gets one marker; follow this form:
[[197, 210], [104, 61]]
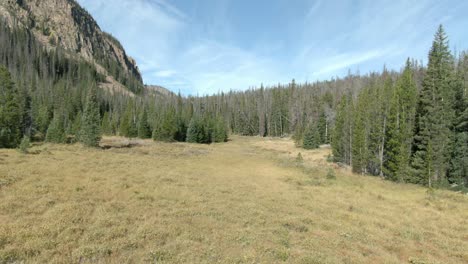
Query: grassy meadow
[[247, 201]]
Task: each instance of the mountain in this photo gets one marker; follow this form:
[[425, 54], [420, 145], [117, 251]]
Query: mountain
[[66, 25], [158, 90]]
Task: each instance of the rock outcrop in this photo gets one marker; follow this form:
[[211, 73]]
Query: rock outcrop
[[65, 24]]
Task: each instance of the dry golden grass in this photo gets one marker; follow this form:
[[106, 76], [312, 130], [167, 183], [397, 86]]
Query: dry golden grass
[[246, 201]]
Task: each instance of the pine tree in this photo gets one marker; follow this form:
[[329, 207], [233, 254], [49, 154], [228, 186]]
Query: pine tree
[[43, 119], [219, 131], [167, 128], [76, 126], [311, 138], [197, 132], [144, 130], [181, 130], [435, 115], [393, 143], [399, 133], [360, 135], [193, 131], [25, 145], [106, 126], [323, 128], [56, 130], [10, 121], [342, 131], [458, 172], [90, 133], [127, 125]]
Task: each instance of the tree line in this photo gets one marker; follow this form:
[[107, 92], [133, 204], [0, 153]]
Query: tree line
[[406, 126], [408, 129]]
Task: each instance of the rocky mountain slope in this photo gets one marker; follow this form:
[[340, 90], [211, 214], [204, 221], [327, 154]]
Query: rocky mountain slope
[[65, 24], [158, 90]]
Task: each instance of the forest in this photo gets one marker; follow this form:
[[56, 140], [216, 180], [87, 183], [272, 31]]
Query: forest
[[405, 126]]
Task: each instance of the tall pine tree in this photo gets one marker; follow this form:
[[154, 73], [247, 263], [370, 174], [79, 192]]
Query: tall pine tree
[[459, 161], [144, 130], [435, 115], [312, 138], [399, 134], [10, 119], [90, 133]]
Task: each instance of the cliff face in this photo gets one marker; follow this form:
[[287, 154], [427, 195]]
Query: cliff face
[[66, 24]]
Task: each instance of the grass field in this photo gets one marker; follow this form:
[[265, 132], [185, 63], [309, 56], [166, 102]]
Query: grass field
[[246, 201]]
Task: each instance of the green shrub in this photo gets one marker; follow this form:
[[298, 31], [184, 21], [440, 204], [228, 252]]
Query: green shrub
[[331, 175], [25, 145]]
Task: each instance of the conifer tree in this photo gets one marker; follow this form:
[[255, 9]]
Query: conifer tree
[[56, 130], [181, 130], [399, 133], [196, 132], [10, 121], [127, 125], [90, 133], [167, 128], [76, 126], [342, 132], [106, 126], [42, 119], [219, 131], [323, 128], [458, 172], [435, 115], [360, 137], [144, 130], [311, 137]]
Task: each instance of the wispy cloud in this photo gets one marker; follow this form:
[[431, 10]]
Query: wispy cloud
[[209, 46], [346, 61]]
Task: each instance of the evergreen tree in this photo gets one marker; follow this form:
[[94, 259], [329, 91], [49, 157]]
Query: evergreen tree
[[360, 135], [458, 172], [106, 125], [399, 133], [90, 133], [127, 125], [219, 131], [43, 118], [393, 143], [181, 130], [56, 130], [167, 128], [25, 145], [144, 130], [342, 132], [311, 137], [76, 126], [323, 128], [435, 115], [10, 121], [197, 132]]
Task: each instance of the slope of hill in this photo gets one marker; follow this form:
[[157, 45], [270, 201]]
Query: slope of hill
[[158, 90], [65, 24]]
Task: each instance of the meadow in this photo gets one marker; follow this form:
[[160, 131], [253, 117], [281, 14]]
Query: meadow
[[251, 200]]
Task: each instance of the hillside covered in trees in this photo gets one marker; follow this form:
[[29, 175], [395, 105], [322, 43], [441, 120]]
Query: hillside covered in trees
[[408, 126]]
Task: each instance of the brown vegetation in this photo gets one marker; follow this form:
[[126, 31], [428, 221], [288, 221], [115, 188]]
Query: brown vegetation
[[246, 201]]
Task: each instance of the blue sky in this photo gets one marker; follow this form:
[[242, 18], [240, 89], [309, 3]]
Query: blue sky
[[206, 46]]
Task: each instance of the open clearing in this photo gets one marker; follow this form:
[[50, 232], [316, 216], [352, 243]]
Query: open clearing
[[246, 201]]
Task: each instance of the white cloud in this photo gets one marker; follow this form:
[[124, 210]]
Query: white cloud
[[164, 73], [201, 49]]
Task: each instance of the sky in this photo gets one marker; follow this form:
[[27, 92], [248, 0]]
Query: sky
[[206, 46]]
